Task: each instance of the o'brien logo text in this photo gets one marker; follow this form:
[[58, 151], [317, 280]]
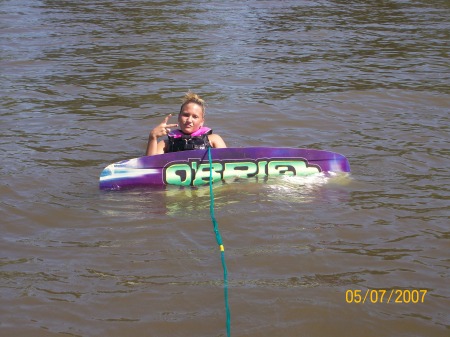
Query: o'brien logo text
[[195, 173]]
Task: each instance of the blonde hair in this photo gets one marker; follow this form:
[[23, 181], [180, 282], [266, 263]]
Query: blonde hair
[[191, 97]]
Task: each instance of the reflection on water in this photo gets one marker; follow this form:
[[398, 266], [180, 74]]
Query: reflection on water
[[315, 187], [189, 201]]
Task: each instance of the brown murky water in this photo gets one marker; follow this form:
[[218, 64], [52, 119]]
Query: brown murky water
[[83, 82]]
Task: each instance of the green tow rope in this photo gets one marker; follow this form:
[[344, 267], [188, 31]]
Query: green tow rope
[[219, 242]]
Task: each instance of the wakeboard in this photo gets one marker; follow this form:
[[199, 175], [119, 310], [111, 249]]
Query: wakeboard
[[192, 168]]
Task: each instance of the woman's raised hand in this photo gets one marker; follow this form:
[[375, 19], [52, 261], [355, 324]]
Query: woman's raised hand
[[163, 129]]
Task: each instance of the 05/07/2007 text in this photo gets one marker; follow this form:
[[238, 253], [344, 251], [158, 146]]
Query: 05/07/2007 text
[[385, 296]]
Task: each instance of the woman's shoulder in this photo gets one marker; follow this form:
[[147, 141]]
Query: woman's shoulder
[[216, 141]]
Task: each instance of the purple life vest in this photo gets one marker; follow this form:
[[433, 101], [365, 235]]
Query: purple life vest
[[179, 141]]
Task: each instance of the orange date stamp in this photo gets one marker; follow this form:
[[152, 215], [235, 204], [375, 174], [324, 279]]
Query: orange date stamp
[[385, 296]]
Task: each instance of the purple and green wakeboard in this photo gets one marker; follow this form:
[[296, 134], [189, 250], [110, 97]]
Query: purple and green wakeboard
[[192, 168]]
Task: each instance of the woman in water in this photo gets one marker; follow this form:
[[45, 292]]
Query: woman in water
[[190, 133]]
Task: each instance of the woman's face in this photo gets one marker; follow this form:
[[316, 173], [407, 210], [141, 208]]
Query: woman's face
[[190, 118]]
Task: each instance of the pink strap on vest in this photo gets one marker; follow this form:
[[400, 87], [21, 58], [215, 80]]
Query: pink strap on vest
[[177, 133]]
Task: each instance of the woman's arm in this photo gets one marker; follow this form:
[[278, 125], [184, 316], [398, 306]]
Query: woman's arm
[[153, 146]]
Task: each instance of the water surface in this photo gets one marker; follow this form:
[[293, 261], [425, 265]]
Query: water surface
[[83, 83]]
